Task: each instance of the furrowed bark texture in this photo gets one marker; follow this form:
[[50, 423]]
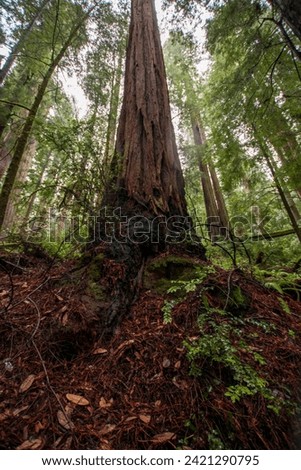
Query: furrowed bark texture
[[147, 180], [151, 174]]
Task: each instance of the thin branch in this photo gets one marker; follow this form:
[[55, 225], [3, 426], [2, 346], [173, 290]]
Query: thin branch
[[273, 67], [284, 33], [50, 386], [271, 236], [39, 318], [34, 290], [296, 66], [228, 290], [27, 56], [288, 40], [54, 30], [11, 103]]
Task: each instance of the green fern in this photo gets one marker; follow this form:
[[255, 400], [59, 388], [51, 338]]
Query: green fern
[[167, 311]]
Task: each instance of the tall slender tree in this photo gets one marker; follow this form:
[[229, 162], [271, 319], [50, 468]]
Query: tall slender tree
[[23, 35], [20, 148], [186, 91]]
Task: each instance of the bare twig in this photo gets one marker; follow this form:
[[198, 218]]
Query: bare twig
[[39, 318], [50, 386], [27, 297], [229, 289], [11, 103]]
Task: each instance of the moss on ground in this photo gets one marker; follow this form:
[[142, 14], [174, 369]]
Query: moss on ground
[[161, 272]]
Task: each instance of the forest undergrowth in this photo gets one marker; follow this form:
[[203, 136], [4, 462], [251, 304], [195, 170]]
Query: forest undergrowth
[[207, 358]]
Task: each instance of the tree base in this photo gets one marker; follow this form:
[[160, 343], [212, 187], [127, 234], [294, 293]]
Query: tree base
[[116, 268]]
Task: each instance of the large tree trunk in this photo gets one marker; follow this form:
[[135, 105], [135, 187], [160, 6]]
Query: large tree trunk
[[13, 101], [9, 219], [148, 185], [9, 141], [151, 175]]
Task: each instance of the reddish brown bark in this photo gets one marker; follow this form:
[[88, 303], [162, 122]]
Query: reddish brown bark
[[150, 175], [216, 211], [209, 199], [148, 182]]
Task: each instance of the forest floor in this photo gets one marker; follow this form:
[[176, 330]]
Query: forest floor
[[64, 385]]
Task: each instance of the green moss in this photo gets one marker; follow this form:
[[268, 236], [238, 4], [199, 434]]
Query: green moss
[[238, 301], [161, 272], [237, 295], [94, 276], [159, 285], [96, 291], [165, 261], [95, 267]]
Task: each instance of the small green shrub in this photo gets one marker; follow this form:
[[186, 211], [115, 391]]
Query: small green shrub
[[216, 345], [191, 285], [280, 281]]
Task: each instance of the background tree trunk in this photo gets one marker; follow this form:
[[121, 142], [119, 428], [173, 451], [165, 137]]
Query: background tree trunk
[[113, 110], [216, 210], [285, 196], [220, 201], [12, 172], [208, 191], [5, 152], [17, 47], [10, 212], [36, 189]]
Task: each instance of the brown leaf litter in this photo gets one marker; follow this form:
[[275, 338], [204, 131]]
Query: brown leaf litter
[[63, 385]]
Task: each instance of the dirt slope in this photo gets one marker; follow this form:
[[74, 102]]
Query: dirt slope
[[66, 384]]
